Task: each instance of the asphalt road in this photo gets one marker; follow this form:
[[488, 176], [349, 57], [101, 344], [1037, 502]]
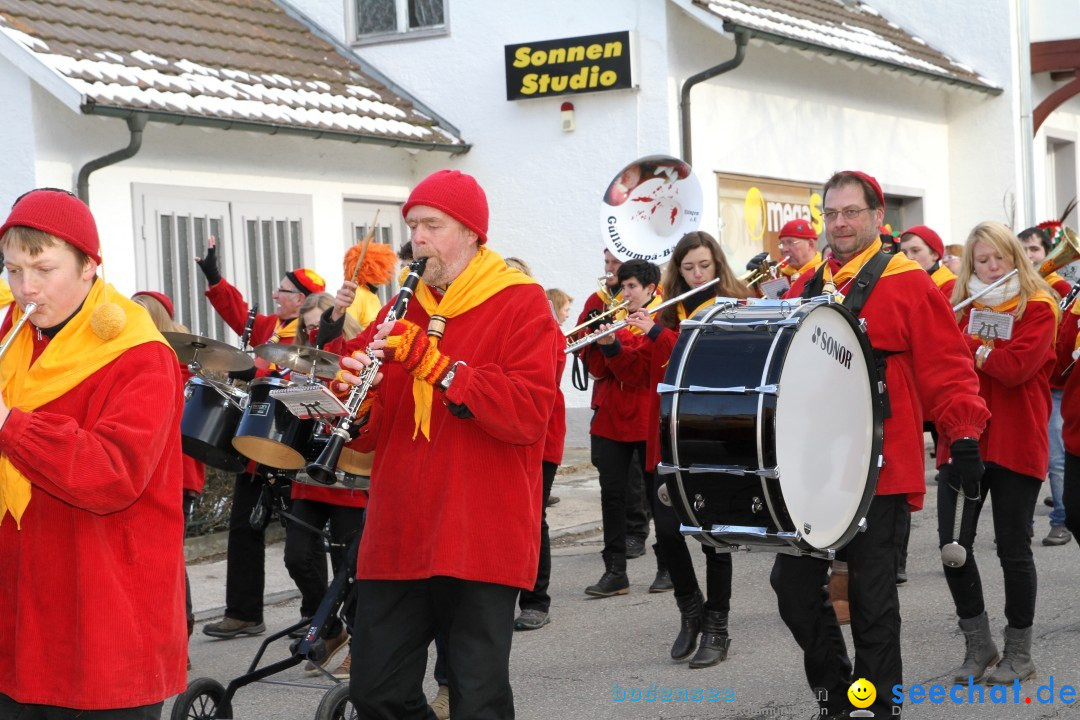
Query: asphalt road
[[573, 668]]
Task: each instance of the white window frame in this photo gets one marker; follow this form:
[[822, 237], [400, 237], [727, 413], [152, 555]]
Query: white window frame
[[402, 8]]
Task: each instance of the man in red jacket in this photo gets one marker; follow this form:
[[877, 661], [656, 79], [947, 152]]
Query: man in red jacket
[[91, 558], [458, 425], [246, 555], [912, 328]]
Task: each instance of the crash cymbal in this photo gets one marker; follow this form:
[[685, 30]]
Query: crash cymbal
[[208, 353], [300, 358]]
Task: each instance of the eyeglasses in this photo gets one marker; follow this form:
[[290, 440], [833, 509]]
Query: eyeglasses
[[788, 242], [849, 214], [283, 290]]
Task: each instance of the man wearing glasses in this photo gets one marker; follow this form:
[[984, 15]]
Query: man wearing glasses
[[798, 243], [246, 556], [917, 342]]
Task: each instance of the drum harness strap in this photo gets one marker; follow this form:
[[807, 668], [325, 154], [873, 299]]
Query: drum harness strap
[[862, 285]]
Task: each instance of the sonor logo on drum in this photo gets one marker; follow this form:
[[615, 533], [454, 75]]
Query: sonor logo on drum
[[831, 347]]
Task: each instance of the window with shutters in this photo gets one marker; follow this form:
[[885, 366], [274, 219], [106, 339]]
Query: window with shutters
[[259, 237]]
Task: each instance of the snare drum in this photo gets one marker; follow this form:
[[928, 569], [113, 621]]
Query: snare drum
[[211, 413], [771, 426], [268, 433]]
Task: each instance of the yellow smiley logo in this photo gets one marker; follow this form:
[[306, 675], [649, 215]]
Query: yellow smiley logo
[[862, 693]]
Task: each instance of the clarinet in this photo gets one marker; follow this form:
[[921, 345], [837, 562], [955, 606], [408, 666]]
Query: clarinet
[[247, 327], [322, 470], [1067, 300]]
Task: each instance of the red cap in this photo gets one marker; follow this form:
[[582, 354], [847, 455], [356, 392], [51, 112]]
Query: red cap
[[798, 228], [161, 298], [931, 238], [872, 182], [60, 214], [306, 280], [456, 194]]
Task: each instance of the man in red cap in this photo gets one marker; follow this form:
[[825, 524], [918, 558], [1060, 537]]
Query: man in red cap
[[246, 555], [798, 243], [91, 557], [925, 247], [917, 341], [468, 384]]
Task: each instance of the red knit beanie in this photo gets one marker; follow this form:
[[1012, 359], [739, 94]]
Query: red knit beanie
[[161, 298], [872, 182], [798, 228], [456, 194], [306, 280], [60, 214], [931, 238]]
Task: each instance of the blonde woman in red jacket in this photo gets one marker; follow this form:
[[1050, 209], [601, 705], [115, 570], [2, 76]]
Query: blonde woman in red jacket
[[1014, 380]]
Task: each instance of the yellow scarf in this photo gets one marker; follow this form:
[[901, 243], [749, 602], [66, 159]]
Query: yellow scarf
[[792, 272], [681, 309], [942, 275], [484, 276], [6, 298], [284, 330], [73, 355], [898, 263]]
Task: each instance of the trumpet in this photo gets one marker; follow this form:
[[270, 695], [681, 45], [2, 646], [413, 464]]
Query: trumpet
[[27, 312], [593, 320], [322, 470], [761, 268], [615, 327]]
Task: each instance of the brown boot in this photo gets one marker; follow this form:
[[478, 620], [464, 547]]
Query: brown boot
[[838, 580]]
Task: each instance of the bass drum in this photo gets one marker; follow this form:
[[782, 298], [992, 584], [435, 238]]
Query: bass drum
[[771, 426]]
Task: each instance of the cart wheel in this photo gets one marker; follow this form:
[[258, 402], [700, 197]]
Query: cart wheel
[[201, 701], [336, 704]]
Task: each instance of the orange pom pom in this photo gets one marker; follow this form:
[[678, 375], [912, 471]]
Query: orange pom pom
[[378, 267], [107, 320]]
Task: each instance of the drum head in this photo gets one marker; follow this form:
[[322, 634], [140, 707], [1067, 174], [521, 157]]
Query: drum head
[[828, 427]]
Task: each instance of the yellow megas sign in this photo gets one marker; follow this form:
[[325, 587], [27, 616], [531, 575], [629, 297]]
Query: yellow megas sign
[[753, 209]]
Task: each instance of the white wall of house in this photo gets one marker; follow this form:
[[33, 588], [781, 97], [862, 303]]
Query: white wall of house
[[17, 135]]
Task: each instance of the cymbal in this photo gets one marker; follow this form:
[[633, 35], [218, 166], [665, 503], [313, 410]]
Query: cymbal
[[300, 358], [209, 353]]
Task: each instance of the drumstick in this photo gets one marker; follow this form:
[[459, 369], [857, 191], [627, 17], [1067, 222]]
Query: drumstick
[[363, 250], [954, 554]]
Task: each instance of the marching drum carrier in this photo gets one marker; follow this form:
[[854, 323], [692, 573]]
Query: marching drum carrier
[[771, 426]]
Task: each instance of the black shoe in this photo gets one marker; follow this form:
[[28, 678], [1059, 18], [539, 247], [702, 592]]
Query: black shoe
[[552, 500], [901, 577], [662, 583], [715, 642], [613, 581], [635, 548], [1048, 501], [690, 612]]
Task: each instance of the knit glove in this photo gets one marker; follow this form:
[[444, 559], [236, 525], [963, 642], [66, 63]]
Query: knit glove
[[409, 345], [209, 265], [967, 467]]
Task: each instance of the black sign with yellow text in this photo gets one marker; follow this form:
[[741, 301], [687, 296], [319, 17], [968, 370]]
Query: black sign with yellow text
[[590, 63]]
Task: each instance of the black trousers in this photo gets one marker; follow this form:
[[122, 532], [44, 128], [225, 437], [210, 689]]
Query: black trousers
[[246, 553], [799, 584], [189, 504], [612, 460], [305, 551], [396, 621], [673, 552], [638, 509], [1071, 495], [1012, 510], [11, 710], [538, 598]]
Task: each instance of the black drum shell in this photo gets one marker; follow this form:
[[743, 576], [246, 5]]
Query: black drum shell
[[208, 425], [268, 433]]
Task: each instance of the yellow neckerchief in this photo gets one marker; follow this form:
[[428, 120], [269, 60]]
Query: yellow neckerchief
[[284, 330], [898, 263], [484, 276], [1050, 279], [789, 271], [681, 309], [73, 355], [6, 298], [942, 275], [656, 300]]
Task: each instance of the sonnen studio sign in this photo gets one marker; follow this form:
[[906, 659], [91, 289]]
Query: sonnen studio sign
[[590, 63]]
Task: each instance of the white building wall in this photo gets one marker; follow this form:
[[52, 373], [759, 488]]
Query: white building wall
[[16, 135]]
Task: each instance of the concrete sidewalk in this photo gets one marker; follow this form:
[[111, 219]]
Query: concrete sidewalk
[[577, 512]]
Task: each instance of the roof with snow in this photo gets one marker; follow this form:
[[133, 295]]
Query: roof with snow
[[248, 64], [843, 27]]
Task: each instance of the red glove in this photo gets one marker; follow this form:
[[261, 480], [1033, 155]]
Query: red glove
[[410, 346]]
